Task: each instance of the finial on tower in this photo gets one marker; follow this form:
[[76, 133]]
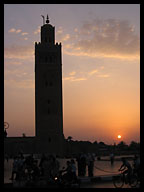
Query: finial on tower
[[43, 19], [47, 21]]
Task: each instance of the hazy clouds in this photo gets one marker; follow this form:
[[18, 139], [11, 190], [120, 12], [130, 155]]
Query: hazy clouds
[[94, 38], [19, 52], [104, 38]]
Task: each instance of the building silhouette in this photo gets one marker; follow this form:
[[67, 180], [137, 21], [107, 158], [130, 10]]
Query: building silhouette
[[48, 88], [49, 136]]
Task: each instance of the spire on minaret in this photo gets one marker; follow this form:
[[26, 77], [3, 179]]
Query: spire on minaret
[[47, 21]]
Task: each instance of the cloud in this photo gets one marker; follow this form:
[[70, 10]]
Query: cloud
[[66, 37], [105, 38], [18, 31], [19, 52], [79, 79], [68, 78], [72, 78], [93, 72], [28, 83], [63, 37], [13, 30], [59, 31], [85, 75], [104, 75], [24, 33], [72, 73], [37, 31], [13, 63], [23, 84]]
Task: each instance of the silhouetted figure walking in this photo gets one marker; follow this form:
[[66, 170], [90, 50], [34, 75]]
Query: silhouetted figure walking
[[83, 164], [74, 177], [14, 169], [112, 158], [90, 162], [43, 158], [78, 165], [5, 134]]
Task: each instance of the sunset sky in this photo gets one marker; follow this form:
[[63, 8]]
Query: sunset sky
[[101, 68]]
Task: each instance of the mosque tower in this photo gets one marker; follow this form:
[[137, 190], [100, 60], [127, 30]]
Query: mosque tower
[[48, 91]]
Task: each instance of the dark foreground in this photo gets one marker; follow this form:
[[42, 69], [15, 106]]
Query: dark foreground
[[85, 182]]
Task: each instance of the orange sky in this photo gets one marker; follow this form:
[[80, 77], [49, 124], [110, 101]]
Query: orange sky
[[101, 69]]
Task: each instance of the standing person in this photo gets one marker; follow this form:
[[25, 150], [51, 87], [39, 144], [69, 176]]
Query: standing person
[[21, 166], [14, 168], [29, 165], [5, 133], [54, 166], [83, 164], [47, 167], [7, 157], [35, 171], [79, 164], [43, 158], [112, 158], [90, 162], [74, 177]]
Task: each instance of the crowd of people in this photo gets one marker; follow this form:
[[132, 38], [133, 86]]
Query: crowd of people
[[83, 161], [48, 167], [29, 168]]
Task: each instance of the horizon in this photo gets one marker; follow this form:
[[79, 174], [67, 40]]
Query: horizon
[[100, 66], [98, 141]]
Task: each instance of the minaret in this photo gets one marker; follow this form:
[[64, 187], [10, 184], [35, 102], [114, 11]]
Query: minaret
[[48, 90]]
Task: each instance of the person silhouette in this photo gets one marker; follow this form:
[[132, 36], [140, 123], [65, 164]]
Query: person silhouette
[[5, 133]]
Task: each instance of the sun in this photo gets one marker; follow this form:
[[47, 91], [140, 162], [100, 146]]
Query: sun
[[119, 136]]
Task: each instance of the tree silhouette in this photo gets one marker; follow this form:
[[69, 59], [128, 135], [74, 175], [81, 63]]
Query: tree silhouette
[[122, 145], [101, 143], [24, 135], [69, 138], [134, 146]]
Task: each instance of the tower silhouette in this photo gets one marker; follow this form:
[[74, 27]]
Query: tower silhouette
[[48, 99], [48, 90]]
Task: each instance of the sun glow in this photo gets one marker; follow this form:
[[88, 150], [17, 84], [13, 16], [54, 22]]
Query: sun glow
[[119, 136]]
